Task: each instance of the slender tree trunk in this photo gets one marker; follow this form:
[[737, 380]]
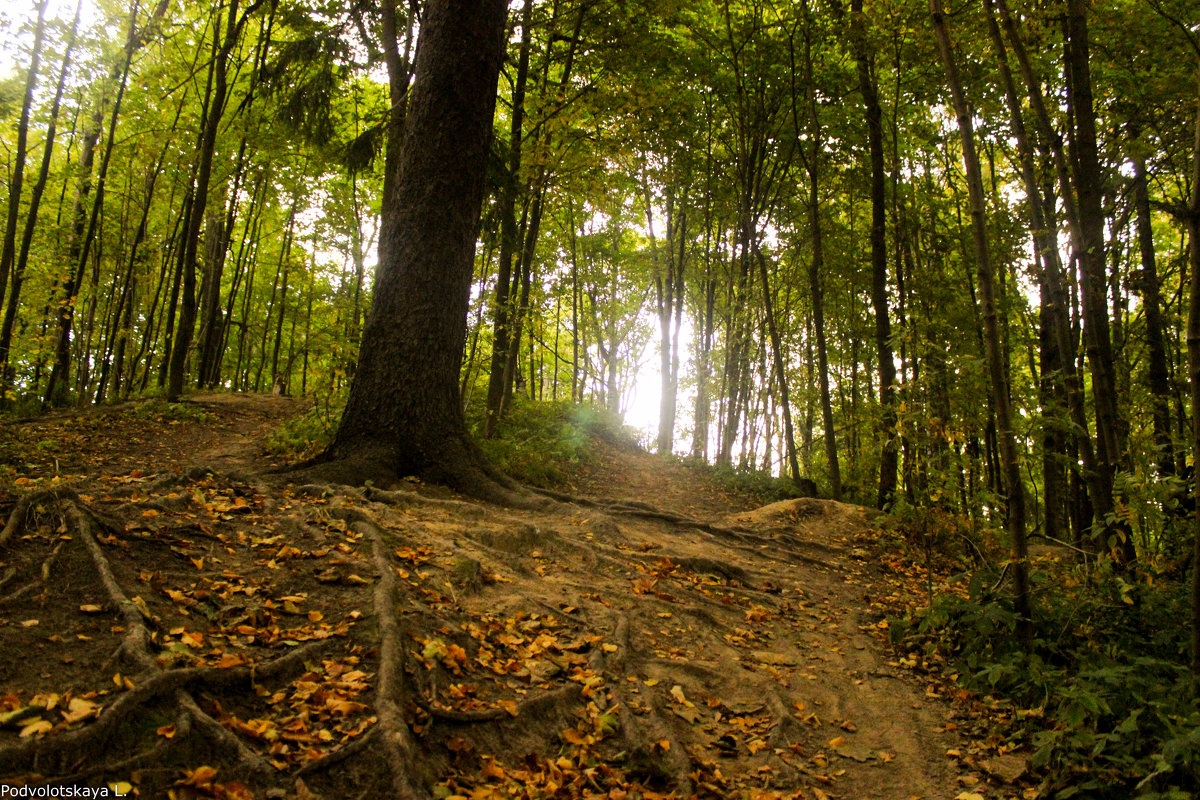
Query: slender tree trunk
[[1192, 224], [39, 187], [1158, 379], [9, 249], [222, 49], [780, 373], [504, 314], [1010, 465], [85, 226], [889, 461]]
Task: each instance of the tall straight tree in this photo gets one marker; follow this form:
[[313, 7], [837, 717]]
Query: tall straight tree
[[35, 200], [417, 326], [196, 210], [504, 310], [16, 177], [1010, 466], [889, 457]]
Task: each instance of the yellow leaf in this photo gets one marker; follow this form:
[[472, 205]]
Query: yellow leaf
[[36, 728], [836, 741], [166, 731], [90, 608], [29, 623], [610, 648], [149, 512], [80, 709]]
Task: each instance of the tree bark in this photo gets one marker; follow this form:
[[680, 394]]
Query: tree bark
[[504, 313], [417, 324], [1158, 379]]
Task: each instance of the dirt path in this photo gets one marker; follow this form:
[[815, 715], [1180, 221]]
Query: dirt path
[[320, 637]]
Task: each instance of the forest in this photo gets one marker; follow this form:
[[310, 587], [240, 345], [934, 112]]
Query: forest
[[941, 259]]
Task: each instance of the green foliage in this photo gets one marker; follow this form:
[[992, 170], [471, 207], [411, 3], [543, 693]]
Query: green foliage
[[759, 483], [162, 411], [539, 443], [1105, 694], [307, 434]]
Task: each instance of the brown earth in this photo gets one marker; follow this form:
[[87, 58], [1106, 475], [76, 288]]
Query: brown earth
[[176, 621]]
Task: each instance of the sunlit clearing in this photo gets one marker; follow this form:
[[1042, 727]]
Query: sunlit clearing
[[643, 397]]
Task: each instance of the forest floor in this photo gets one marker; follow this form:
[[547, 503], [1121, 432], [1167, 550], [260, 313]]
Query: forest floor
[[179, 621]]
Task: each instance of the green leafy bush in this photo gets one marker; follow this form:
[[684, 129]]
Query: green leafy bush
[[308, 434], [162, 411], [758, 483], [1111, 712], [538, 442]]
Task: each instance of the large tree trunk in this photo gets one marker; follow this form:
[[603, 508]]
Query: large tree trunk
[[417, 325]]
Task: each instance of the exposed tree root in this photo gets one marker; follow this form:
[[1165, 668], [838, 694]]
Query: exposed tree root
[[510, 648], [654, 749], [532, 707], [394, 735], [331, 760], [152, 684], [221, 740], [29, 502]]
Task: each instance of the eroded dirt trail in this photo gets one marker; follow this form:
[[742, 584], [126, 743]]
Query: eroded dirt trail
[[214, 634]]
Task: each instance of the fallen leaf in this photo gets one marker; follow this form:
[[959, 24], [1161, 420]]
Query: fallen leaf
[[90, 608], [36, 728]]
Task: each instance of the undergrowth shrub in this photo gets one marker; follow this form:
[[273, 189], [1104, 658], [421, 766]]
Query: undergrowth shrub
[[759, 483], [306, 435], [162, 411], [1106, 696], [539, 442]]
